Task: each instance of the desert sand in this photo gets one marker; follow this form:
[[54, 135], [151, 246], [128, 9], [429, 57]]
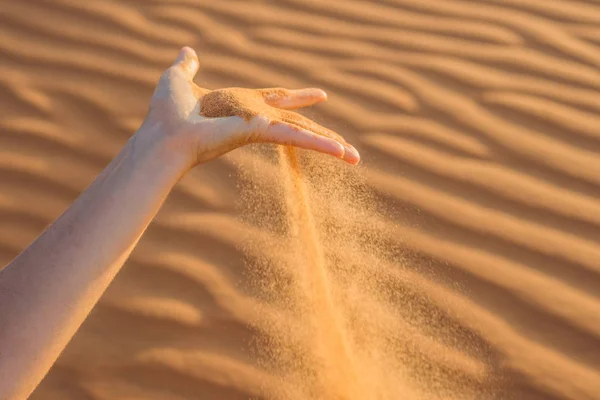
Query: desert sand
[[461, 260]]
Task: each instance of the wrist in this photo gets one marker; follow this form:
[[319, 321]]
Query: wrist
[[151, 148]]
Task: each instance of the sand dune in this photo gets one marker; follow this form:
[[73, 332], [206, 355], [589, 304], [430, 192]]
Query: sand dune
[[461, 260]]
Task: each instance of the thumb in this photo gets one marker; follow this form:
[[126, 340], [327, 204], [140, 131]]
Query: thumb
[[188, 61]]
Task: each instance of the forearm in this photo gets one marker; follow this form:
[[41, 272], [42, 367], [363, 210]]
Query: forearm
[[49, 289]]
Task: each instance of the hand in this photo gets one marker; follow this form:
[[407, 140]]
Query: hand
[[198, 124]]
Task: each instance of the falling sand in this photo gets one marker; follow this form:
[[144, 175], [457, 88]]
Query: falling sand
[[339, 346], [350, 328], [338, 374], [478, 122]]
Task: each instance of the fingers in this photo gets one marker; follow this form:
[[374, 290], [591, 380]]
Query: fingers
[[289, 134], [300, 120], [351, 154], [291, 99], [188, 61], [220, 135]]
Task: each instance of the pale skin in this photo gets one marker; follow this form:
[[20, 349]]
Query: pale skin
[[48, 290]]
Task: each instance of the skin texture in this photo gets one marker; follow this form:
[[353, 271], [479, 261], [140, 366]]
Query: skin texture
[[48, 290]]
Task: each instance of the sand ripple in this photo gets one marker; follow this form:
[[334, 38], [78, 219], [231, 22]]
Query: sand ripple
[[478, 124]]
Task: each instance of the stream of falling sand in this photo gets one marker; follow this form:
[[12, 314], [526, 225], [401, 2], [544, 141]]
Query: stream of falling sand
[[349, 321], [337, 373]]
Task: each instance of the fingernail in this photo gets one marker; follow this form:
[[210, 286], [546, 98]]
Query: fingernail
[[187, 59], [351, 154]]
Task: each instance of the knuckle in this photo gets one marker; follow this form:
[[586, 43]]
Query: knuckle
[[274, 94], [260, 124]]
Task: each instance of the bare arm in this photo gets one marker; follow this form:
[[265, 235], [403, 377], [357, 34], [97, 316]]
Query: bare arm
[[49, 289]]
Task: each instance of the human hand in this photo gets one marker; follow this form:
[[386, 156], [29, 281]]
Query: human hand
[[197, 125]]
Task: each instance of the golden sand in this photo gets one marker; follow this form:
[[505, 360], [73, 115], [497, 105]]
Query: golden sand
[[233, 103], [335, 366], [468, 271], [247, 103]]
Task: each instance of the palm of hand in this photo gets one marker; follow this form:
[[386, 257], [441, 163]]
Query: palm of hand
[[204, 124]]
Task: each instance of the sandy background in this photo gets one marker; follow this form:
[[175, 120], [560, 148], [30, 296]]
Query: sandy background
[[479, 130]]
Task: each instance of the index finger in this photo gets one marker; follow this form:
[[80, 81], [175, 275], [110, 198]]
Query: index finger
[[289, 117], [289, 134]]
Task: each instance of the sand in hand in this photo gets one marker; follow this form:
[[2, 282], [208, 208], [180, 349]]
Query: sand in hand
[[272, 104]]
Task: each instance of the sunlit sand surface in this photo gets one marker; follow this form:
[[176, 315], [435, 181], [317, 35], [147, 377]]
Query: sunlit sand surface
[[461, 260]]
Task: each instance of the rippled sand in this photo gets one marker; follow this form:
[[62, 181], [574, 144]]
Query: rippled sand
[[479, 130]]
